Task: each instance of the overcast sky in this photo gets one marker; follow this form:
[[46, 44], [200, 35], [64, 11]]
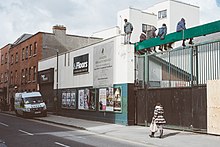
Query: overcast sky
[[80, 17]]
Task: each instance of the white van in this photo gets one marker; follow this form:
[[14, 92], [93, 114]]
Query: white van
[[29, 104]]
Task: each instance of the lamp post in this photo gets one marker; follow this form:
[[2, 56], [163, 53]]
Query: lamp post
[[56, 97]]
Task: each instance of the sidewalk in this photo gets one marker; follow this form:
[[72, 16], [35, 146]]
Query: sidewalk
[[138, 134]]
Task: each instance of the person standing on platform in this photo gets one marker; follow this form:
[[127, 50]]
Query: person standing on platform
[[128, 28]]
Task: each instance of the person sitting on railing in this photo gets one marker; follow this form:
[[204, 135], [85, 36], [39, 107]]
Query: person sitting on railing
[[151, 34], [143, 36], [181, 26], [162, 33]]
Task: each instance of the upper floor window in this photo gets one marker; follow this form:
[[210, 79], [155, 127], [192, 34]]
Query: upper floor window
[[162, 14], [6, 76], [6, 57], [35, 48], [26, 75], [23, 54], [11, 78], [2, 59], [16, 76], [16, 57], [26, 52], [12, 59], [29, 74], [146, 27], [22, 76], [30, 50], [35, 73], [1, 78]]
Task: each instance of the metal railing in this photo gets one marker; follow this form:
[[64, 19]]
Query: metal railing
[[180, 67]]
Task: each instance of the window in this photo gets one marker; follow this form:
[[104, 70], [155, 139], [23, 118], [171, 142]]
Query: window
[[1, 78], [11, 78], [162, 14], [6, 76], [146, 27], [35, 74], [26, 52], [30, 50], [23, 53], [26, 75], [16, 76], [22, 76], [2, 59], [12, 59], [29, 74], [6, 57], [16, 57], [35, 48]]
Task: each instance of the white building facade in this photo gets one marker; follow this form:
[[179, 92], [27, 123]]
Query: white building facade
[[97, 82]]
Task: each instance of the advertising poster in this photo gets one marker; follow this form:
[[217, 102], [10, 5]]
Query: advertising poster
[[102, 99], [86, 99], [69, 99], [109, 99], [81, 99], [117, 99], [64, 103], [73, 100], [92, 99]]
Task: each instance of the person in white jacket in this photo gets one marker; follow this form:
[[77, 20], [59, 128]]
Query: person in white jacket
[[159, 119]]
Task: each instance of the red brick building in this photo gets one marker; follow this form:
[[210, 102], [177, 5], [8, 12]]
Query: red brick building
[[4, 70], [19, 61]]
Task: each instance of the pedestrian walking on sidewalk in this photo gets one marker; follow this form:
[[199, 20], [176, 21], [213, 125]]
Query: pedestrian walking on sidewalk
[[158, 120]]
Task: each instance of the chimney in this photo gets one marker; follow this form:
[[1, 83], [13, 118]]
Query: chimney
[[59, 29]]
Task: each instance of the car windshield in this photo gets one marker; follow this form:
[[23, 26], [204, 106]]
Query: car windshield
[[33, 100]]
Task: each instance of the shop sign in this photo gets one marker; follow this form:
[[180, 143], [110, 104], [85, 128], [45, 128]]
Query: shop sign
[[81, 64]]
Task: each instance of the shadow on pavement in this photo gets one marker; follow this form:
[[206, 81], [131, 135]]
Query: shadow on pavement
[[170, 134]]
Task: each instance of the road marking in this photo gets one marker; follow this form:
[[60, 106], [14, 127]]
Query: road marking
[[26, 132], [3, 124], [61, 144]]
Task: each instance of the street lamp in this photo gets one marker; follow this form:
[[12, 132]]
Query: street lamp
[[56, 97]]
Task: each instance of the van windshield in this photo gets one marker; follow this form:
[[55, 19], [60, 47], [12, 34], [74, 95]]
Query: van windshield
[[33, 100]]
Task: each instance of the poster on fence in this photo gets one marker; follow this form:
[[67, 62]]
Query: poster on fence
[[102, 99], [69, 99], [109, 99], [117, 99], [86, 99]]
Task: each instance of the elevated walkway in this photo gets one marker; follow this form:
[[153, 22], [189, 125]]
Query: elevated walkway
[[193, 32]]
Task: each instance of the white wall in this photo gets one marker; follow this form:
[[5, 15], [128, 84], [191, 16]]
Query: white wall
[[107, 33], [123, 62], [137, 18], [123, 65], [175, 11]]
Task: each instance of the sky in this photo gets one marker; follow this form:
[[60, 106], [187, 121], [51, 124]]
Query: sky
[[80, 17]]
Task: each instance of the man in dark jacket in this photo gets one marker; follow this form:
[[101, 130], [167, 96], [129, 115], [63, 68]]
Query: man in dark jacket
[[181, 26]]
